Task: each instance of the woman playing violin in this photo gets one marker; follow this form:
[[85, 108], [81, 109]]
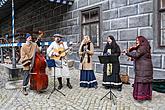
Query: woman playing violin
[[143, 69]]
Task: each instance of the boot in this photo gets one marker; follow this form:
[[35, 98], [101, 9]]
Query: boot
[[60, 83], [24, 91], [68, 83]]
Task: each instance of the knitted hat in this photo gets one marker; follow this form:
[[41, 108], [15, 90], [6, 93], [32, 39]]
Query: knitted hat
[[27, 35]]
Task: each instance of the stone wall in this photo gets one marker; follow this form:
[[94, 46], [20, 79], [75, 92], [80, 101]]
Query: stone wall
[[125, 19]]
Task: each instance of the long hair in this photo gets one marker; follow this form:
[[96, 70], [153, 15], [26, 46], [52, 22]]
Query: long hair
[[113, 44], [143, 42], [83, 41]]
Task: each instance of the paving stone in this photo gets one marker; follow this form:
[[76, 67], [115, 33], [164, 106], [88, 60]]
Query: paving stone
[[76, 98]]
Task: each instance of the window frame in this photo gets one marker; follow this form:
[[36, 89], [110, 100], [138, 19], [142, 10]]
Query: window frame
[[157, 47], [91, 22], [160, 11]]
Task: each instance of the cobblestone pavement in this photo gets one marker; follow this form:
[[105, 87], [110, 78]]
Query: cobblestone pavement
[[75, 99]]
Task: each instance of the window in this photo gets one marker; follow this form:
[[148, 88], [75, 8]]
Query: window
[[162, 22], [90, 23], [158, 26]]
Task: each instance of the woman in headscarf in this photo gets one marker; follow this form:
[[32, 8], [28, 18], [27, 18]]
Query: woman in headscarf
[[111, 77], [87, 76], [143, 69]]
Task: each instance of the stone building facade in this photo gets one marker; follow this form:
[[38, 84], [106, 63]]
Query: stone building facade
[[124, 19]]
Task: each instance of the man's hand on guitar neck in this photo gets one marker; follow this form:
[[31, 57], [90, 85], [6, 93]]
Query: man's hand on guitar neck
[[55, 54]]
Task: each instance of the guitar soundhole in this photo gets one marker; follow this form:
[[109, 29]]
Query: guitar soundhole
[[59, 52]]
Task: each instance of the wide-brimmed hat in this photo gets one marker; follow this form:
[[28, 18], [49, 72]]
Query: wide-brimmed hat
[[58, 35]]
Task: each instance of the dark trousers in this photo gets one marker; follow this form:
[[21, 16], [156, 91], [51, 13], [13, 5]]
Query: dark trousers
[[26, 77]]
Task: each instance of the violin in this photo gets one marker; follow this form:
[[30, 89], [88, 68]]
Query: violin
[[135, 47], [130, 49]]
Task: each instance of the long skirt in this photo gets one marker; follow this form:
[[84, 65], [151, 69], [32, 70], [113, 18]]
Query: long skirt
[[87, 78], [112, 80], [142, 91]]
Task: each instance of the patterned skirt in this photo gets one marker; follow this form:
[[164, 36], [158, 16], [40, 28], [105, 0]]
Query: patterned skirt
[[87, 78], [142, 91]]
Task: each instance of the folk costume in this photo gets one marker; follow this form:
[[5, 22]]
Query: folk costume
[[143, 70], [27, 52], [111, 77], [87, 76], [62, 69]]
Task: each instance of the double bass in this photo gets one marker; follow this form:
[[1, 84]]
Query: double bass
[[38, 78]]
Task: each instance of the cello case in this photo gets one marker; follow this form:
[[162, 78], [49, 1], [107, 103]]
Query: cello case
[[38, 78]]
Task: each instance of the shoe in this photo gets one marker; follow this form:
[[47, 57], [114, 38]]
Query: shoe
[[119, 89], [60, 83], [69, 86], [107, 87], [60, 87], [24, 91], [95, 86], [68, 83]]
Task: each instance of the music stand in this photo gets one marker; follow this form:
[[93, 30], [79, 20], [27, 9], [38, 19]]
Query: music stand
[[52, 63], [106, 60]]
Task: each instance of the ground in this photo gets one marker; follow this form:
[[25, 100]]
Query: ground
[[76, 99]]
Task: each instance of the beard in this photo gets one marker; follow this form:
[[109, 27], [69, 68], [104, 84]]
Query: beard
[[58, 40]]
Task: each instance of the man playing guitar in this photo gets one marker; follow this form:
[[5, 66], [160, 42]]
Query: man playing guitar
[[57, 51]]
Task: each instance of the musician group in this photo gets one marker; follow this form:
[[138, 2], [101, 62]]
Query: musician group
[[140, 54]]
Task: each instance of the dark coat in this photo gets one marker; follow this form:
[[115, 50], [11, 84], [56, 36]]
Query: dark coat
[[115, 78], [143, 64]]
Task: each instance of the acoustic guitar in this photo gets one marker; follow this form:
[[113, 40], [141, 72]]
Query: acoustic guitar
[[61, 51]]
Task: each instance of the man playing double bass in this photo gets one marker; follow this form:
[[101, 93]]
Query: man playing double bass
[[27, 52], [57, 51]]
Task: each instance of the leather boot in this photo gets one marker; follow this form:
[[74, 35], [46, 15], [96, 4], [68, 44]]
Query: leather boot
[[24, 91], [68, 83], [60, 83]]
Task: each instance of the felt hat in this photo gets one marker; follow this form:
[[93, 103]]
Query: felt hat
[[58, 35]]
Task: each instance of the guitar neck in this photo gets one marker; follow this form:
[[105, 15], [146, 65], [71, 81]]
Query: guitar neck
[[64, 50]]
